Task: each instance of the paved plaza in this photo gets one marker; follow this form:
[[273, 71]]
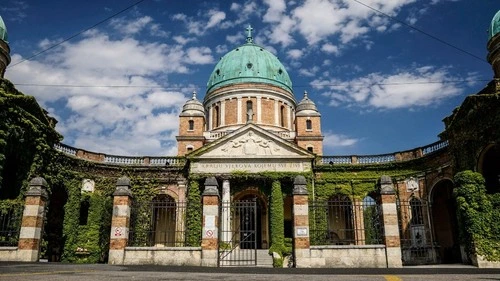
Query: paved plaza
[[59, 271]]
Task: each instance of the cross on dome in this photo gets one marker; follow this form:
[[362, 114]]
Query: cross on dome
[[249, 34]]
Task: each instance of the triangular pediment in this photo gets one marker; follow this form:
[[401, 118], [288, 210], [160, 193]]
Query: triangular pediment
[[251, 141]]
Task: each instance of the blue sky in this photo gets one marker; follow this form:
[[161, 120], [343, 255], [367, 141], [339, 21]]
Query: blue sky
[[368, 74]]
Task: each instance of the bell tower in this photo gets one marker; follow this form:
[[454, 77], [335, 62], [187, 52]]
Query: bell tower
[[4, 48], [191, 127], [308, 124]]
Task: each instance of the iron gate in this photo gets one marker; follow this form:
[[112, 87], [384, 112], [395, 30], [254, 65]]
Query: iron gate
[[415, 230], [238, 233]]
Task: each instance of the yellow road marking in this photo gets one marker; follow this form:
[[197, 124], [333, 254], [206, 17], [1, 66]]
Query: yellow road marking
[[392, 278], [44, 272]]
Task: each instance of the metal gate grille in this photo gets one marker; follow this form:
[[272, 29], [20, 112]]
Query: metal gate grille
[[417, 241], [238, 233]]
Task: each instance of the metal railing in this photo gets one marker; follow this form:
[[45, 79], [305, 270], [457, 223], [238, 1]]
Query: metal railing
[[166, 227], [10, 225], [341, 221]]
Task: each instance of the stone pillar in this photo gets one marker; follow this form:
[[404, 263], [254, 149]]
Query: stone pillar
[[226, 211], [301, 245], [390, 221], [209, 235], [28, 248], [120, 222], [238, 110], [259, 109]]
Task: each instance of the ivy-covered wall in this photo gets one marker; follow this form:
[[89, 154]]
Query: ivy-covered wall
[[478, 214]]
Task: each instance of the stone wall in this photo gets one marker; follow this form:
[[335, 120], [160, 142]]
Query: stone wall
[[369, 256], [186, 256]]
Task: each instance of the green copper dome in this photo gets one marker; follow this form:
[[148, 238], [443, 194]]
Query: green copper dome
[[495, 26], [249, 63], [3, 31]]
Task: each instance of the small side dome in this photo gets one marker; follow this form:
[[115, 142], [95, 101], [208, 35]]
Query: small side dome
[[495, 26], [3, 31], [306, 107], [193, 107]]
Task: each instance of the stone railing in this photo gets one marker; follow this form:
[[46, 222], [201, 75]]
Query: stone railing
[[180, 161], [216, 135], [433, 147], [283, 134], [384, 158], [120, 160]]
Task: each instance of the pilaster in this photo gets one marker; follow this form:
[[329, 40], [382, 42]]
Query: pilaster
[[390, 221], [301, 243], [210, 230], [120, 221], [28, 248]]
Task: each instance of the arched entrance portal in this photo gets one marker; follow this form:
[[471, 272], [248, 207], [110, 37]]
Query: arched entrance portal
[[53, 234], [247, 217], [444, 218], [489, 167]]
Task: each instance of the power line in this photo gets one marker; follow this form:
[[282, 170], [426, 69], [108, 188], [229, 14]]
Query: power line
[[77, 34], [295, 86], [421, 31]]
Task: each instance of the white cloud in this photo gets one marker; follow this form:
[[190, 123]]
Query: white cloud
[[317, 20], [338, 140], [199, 55], [130, 27], [330, 48], [135, 116], [295, 53], [309, 72], [275, 11], [420, 87], [211, 19]]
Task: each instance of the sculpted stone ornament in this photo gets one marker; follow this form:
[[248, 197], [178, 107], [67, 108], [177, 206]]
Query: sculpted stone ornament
[[251, 144], [300, 185]]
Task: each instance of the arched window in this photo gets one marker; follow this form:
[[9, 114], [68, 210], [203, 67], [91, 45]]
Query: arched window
[[282, 116], [340, 221], [189, 148], [217, 116], [191, 125], [310, 148], [249, 111], [309, 125]]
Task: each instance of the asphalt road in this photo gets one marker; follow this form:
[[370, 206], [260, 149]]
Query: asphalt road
[[86, 272]]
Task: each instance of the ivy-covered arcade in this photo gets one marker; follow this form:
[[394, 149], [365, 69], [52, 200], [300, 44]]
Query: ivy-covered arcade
[[250, 185]]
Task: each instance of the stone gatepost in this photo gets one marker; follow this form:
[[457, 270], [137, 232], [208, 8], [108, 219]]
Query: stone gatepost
[[28, 248], [210, 230], [301, 245], [390, 221], [120, 222]]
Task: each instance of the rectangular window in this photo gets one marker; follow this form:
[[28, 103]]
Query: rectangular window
[[309, 126]]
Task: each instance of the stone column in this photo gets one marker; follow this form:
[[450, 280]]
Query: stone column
[[259, 109], [276, 113], [301, 245], [390, 221], [226, 211], [238, 110], [120, 222], [223, 113], [28, 248], [209, 235]]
